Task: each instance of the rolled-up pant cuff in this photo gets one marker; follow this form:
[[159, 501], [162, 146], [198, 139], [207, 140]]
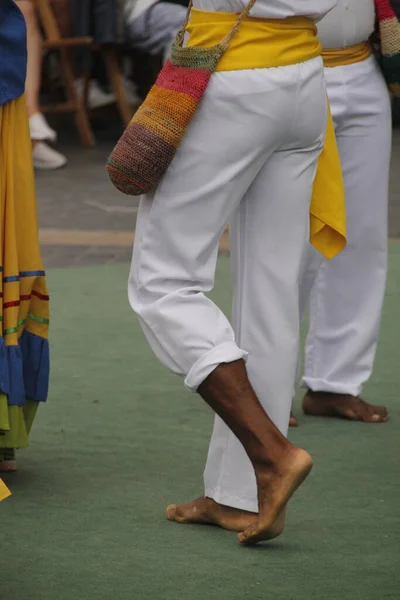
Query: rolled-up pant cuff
[[224, 353], [333, 387]]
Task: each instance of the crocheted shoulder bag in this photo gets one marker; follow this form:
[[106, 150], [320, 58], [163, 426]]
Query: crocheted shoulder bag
[[388, 13], [149, 143]]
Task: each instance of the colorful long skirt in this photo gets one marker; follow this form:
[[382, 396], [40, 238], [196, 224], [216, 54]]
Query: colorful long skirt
[[24, 301]]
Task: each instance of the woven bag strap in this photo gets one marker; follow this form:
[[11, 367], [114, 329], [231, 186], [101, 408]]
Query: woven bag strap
[[243, 15], [227, 39]]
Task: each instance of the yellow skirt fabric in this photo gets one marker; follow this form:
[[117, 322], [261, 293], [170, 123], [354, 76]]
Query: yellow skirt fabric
[[24, 300], [16, 423], [4, 491]]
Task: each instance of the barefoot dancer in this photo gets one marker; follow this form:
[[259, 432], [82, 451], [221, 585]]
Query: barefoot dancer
[[24, 352], [347, 293], [250, 153]]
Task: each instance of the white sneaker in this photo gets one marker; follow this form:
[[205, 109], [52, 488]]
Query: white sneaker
[[40, 129], [45, 157], [97, 98], [131, 92]]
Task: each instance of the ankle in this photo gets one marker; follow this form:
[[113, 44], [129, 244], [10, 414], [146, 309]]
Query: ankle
[[32, 110], [274, 459]]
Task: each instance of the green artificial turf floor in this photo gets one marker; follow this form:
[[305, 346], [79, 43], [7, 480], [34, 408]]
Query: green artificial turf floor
[[120, 438]]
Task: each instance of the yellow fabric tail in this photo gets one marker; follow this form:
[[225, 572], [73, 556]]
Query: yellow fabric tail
[[328, 227], [267, 43]]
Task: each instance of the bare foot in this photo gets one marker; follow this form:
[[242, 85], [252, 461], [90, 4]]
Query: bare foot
[[279, 467], [325, 404], [205, 511], [8, 466], [275, 488], [293, 421]]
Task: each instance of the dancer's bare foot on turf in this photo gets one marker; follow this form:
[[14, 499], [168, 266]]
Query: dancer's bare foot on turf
[[275, 488], [293, 420], [205, 511], [325, 404], [279, 467]]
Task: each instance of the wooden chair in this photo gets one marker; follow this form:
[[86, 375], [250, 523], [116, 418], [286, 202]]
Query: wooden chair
[[108, 52], [63, 45]]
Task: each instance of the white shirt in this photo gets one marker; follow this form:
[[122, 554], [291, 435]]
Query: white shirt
[[351, 22], [132, 9], [272, 9]]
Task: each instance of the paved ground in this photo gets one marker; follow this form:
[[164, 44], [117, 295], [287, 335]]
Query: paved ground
[[85, 221]]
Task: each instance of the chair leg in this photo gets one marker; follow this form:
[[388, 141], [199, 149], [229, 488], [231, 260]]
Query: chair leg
[[81, 116], [117, 84], [86, 83]]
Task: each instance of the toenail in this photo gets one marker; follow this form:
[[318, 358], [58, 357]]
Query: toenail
[[171, 510]]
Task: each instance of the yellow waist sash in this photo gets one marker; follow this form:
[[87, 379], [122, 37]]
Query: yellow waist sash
[[341, 57], [267, 43]]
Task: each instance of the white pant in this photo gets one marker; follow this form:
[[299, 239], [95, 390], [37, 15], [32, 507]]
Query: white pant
[[250, 153], [347, 292]]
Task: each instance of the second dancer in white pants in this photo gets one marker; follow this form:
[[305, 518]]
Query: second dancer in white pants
[[346, 294]]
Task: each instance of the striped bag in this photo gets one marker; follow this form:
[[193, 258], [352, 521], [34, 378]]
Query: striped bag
[[149, 143], [388, 13]]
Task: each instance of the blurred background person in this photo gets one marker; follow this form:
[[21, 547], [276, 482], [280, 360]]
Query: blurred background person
[[151, 25], [42, 135], [147, 27]]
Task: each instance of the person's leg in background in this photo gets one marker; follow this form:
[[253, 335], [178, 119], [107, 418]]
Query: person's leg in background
[[310, 264], [347, 292], [34, 70], [44, 156]]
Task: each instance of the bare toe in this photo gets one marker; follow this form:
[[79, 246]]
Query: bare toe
[[171, 512], [275, 488], [250, 536], [191, 512], [380, 414], [258, 533], [324, 404]]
